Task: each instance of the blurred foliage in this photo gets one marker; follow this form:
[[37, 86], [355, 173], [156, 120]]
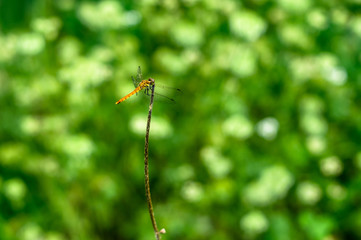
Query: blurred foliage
[[264, 142]]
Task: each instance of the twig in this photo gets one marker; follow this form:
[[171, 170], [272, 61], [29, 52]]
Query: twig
[[146, 167]]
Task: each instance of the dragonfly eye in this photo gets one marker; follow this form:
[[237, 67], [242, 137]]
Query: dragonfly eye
[[151, 80]]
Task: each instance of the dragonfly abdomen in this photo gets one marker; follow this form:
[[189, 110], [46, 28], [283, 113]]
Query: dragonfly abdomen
[[129, 95]]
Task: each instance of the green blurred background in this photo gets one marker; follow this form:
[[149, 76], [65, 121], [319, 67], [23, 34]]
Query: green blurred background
[[263, 143]]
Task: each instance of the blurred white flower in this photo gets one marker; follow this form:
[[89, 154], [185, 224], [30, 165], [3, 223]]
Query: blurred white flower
[[161, 127], [217, 165], [172, 61], [247, 24], [30, 231], [254, 223], [295, 35], [48, 27], [69, 50], [8, 47], [272, 185], [192, 191], [30, 44], [336, 76], [313, 124], [355, 25], [309, 193], [237, 126], [132, 18], [267, 128], [106, 14], [84, 73], [316, 144], [302, 68], [317, 18], [231, 55], [15, 189], [187, 34], [331, 166]]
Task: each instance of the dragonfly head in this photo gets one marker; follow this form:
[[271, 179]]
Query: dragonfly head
[[151, 80]]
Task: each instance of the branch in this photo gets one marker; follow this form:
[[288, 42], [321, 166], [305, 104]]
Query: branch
[[146, 169]]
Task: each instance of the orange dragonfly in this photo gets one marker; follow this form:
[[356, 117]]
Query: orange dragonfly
[[141, 85]]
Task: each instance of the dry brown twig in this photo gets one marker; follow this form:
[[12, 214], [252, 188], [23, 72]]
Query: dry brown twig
[[146, 167]]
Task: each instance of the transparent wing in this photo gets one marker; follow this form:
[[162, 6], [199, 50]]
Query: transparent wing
[[164, 98], [169, 88], [162, 93], [139, 75], [139, 78]]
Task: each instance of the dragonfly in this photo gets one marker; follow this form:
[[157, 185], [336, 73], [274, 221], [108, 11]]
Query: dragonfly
[[145, 85]]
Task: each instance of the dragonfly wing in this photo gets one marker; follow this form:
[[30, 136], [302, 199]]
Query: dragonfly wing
[[135, 83], [139, 75], [169, 88], [138, 79], [164, 98]]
